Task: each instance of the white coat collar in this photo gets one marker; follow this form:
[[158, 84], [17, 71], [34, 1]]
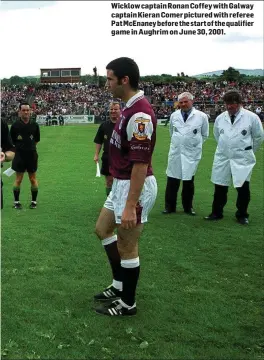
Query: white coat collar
[[238, 116], [190, 115]]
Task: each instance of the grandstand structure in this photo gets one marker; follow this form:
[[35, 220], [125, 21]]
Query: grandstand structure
[[60, 75]]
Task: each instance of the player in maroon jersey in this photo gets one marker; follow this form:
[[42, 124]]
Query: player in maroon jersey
[[134, 187]]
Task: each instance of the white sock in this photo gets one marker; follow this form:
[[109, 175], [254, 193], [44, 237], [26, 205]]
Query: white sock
[[117, 285], [131, 263], [109, 240], [125, 305]]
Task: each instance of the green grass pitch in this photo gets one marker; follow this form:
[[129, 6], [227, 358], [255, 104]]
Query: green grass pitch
[[201, 284]]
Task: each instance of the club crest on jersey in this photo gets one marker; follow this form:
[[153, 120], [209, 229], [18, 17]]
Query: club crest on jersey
[[195, 131], [222, 131], [244, 132], [19, 137], [141, 125], [31, 137], [105, 137]]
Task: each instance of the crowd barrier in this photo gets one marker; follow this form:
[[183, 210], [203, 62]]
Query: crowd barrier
[[67, 119]]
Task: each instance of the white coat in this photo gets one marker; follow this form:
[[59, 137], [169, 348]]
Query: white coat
[[236, 145], [186, 143]]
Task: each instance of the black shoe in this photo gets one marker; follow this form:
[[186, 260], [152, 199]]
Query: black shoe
[[117, 309], [190, 212], [168, 211], [213, 217], [243, 221], [109, 293], [33, 205], [17, 205]]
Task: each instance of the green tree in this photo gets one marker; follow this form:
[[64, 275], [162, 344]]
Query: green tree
[[230, 74], [16, 80], [102, 81], [5, 81]]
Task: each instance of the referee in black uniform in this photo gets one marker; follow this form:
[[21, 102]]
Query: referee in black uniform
[[7, 150], [103, 137], [25, 135]]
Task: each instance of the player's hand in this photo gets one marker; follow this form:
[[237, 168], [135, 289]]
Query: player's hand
[[2, 156], [96, 158], [129, 217]]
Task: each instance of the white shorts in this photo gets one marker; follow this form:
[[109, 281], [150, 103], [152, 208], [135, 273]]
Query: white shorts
[[116, 200]]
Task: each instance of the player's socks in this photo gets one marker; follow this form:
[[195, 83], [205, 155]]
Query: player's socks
[[16, 192], [108, 190], [117, 285], [110, 245], [130, 272], [34, 192]]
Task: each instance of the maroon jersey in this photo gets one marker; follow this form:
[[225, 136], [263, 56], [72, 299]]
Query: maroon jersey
[[133, 138]]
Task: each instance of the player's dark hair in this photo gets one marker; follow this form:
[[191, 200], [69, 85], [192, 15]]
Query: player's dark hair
[[125, 66], [232, 97], [23, 103]]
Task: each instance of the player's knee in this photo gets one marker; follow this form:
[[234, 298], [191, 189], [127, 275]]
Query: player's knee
[[18, 181], [34, 182], [99, 231], [127, 252], [102, 233]]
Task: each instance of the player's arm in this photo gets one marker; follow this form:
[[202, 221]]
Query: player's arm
[[97, 152], [9, 155], [137, 180], [140, 155], [37, 134], [138, 176], [13, 134], [98, 140]]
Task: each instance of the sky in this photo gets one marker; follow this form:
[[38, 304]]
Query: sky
[[55, 34]]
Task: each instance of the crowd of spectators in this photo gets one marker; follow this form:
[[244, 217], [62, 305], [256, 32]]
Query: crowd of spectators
[[85, 99], [12, 96]]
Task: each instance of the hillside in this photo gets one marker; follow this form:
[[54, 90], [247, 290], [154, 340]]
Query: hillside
[[249, 72]]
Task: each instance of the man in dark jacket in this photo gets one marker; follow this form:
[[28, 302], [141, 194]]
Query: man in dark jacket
[[25, 135], [7, 150], [103, 137]]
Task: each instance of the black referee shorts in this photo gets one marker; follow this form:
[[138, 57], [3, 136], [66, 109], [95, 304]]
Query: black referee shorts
[[105, 167], [25, 161]]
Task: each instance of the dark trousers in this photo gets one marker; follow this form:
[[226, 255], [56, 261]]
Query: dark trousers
[[172, 191], [220, 200]]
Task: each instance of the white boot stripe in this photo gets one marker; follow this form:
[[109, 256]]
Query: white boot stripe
[[108, 293]]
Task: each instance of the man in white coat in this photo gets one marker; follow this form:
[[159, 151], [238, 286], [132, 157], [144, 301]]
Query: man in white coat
[[189, 129], [238, 133]]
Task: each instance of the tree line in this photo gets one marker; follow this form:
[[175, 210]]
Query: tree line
[[230, 74]]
